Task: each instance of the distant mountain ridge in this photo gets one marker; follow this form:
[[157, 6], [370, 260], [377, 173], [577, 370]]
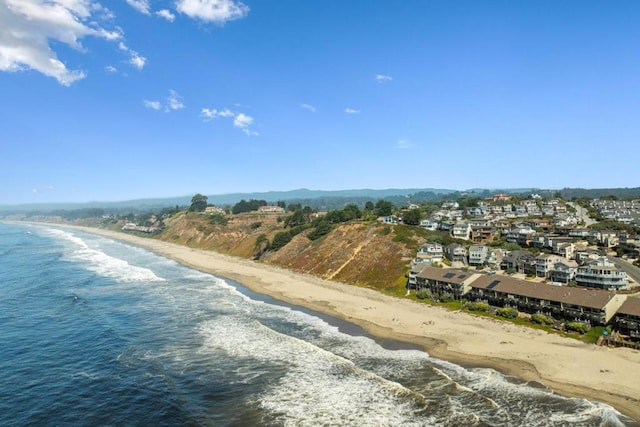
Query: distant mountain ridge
[[319, 198]]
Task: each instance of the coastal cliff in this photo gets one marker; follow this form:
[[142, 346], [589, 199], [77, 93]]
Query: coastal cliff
[[362, 253]]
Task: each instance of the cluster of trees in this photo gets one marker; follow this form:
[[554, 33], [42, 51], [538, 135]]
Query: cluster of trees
[[247, 206]]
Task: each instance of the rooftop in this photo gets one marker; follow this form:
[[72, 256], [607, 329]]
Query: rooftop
[[577, 296]]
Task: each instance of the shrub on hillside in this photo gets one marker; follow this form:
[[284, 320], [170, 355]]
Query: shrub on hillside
[[541, 319], [579, 327], [478, 306], [507, 312], [422, 294]]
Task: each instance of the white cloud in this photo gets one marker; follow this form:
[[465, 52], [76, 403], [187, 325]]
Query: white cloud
[[241, 121], [308, 107], [404, 144], [42, 189], [213, 113], [111, 69], [174, 101], [154, 105], [166, 14], [381, 78], [216, 11], [351, 111], [27, 28], [141, 6], [134, 57]]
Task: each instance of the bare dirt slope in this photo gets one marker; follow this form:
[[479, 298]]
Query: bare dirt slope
[[359, 253]]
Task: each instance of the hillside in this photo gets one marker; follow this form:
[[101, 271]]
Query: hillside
[[359, 253]]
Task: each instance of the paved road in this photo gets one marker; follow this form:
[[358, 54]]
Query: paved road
[[632, 271], [582, 213]]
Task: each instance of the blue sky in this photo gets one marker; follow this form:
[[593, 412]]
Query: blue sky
[[123, 99]]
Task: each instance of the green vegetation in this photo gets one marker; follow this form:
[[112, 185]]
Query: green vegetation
[[477, 306], [247, 206], [255, 225], [384, 208], [404, 234], [218, 219], [422, 294], [541, 319], [412, 217], [283, 237], [579, 327], [198, 203], [507, 312]]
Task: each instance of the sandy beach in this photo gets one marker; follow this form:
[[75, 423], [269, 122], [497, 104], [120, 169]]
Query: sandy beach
[[569, 367]]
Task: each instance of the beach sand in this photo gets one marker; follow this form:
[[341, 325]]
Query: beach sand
[[569, 367]]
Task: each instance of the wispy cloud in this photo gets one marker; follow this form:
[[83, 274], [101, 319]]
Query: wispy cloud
[[28, 28], [208, 113], [308, 107], [381, 78], [351, 111], [173, 103], [134, 57], [110, 69], [241, 121], [215, 11], [44, 189], [166, 14], [141, 6], [153, 105], [404, 144]]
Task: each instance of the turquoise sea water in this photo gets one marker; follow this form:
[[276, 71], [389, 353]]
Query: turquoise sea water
[[97, 332]]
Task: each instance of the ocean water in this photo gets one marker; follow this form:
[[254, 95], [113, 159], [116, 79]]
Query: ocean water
[[97, 332]]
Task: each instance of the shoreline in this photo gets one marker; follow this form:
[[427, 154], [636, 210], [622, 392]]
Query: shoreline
[[566, 366]]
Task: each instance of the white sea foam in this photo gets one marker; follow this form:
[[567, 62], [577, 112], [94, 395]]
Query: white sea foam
[[103, 264], [318, 387]]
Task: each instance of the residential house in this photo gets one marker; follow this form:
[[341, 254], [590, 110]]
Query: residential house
[[478, 255], [214, 210], [564, 271], [564, 249], [584, 256], [500, 197], [544, 264], [461, 230], [415, 269], [519, 261], [445, 226], [432, 251], [429, 224], [627, 319], [606, 238], [456, 253], [482, 233], [445, 282], [390, 219], [601, 274], [587, 305], [271, 209]]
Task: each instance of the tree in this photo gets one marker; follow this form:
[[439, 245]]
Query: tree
[[261, 246], [350, 212], [198, 203], [295, 219], [412, 217], [384, 208], [368, 206]]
